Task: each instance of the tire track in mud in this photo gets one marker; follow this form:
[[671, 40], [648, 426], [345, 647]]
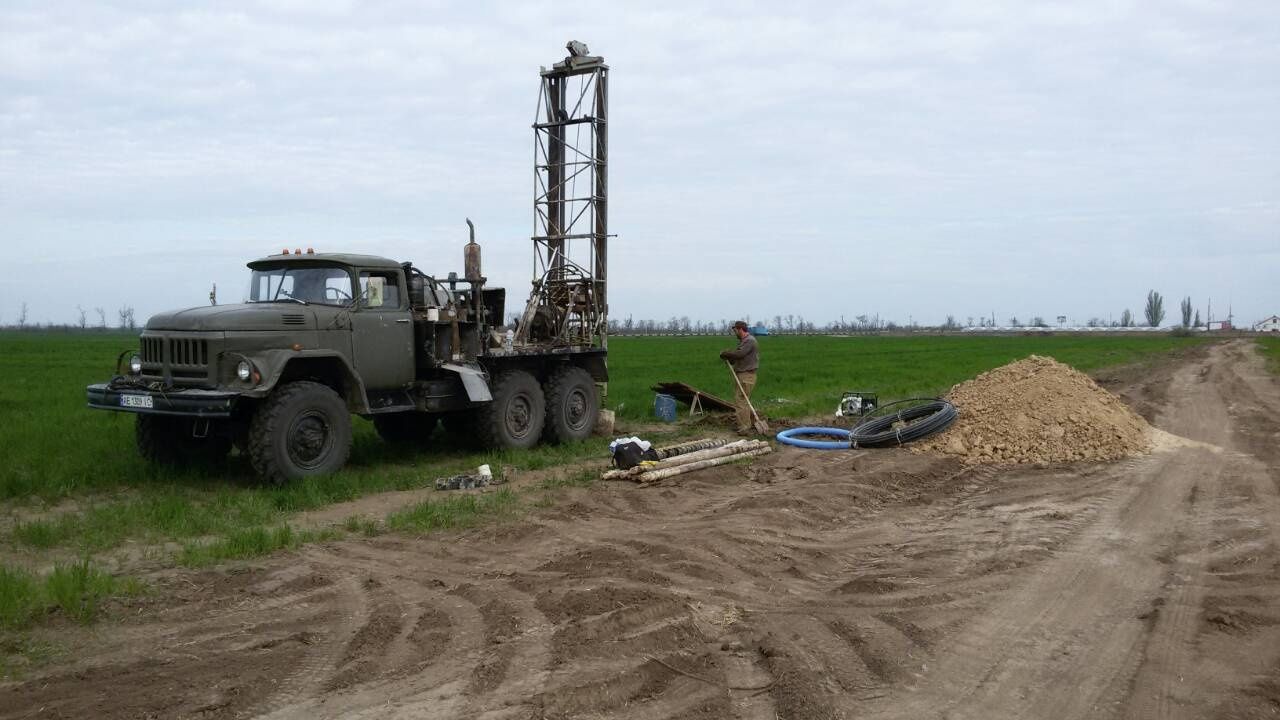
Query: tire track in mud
[[518, 658], [352, 610], [791, 659], [747, 664], [614, 632], [221, 600], [457, 642], [1240, 621], [231, 656], [1158, 688], [1065, 630]]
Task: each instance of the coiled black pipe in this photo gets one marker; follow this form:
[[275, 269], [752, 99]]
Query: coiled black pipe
[[933, 415]]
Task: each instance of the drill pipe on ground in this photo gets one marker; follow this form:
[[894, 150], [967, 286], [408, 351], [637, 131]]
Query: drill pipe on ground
[[730, 449], [688, 447], [734, 448], [663, 473]]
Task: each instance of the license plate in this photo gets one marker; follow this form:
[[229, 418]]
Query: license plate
[[136, 401]]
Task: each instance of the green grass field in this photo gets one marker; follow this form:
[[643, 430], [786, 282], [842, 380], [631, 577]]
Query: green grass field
[[55, 447], [805, 376], [75, 489], [1271, 350]]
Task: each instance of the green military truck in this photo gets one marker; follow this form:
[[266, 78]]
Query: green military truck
[[324, 336]]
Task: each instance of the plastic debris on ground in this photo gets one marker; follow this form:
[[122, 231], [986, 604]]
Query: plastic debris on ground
[[644, 444], [629, 452], [482, 477]]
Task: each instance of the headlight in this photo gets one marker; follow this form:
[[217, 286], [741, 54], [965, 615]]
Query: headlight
[[244, 370], [135, 364]]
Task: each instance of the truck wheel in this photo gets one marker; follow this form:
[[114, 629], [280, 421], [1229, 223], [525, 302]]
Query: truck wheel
[[515, 417], [572, 405], [157, 440], [170, 441], [302, 429], [405, 427]]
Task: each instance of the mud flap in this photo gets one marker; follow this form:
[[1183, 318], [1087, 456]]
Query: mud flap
[[473, 381]]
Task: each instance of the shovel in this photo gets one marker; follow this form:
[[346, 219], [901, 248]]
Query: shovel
[[760, 426]]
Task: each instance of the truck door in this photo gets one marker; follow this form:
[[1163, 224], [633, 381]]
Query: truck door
[[382, 331]]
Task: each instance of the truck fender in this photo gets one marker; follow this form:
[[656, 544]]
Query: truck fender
[[327, 365]]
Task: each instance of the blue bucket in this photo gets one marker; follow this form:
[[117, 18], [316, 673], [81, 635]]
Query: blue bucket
[[664, 406]]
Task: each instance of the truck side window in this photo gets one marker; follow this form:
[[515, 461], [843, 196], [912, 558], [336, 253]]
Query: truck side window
[[380, 290]]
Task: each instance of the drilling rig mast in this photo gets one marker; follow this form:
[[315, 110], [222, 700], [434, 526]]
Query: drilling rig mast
[[569, 304]]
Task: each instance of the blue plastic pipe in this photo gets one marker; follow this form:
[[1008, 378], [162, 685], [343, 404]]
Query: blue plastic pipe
[[788, 437]]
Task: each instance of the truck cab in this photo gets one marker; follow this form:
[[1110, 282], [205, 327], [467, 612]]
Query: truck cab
[[359, 303]]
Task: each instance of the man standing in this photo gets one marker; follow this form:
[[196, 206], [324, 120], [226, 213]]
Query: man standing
[[745, 359]]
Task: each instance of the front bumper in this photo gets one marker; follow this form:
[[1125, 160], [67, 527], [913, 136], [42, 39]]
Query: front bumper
[[191, 401]]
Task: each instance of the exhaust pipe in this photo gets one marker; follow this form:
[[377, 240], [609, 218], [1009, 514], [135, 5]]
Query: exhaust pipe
[[471, 256]]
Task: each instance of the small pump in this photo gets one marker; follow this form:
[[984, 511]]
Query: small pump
[[471, 256], [857, 404]]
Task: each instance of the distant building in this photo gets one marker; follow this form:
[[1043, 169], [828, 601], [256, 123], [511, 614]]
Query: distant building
[[1271, 324]]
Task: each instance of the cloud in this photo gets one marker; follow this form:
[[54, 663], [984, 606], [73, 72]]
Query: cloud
[[1080, 153]]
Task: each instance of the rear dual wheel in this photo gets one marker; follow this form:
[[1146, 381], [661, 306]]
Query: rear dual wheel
[[522, 412], [573, 405]]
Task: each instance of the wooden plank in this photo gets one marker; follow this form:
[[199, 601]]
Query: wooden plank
[[685, 393]]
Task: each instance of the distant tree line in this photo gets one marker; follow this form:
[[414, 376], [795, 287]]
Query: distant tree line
[[778, 325], [1153, 312], [684, 325], [125, 320]]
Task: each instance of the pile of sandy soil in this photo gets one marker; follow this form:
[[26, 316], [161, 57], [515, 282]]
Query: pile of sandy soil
[[1038, 410]]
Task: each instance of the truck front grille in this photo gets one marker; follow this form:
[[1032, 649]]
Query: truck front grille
[[182, 360], [188, 352], [152, 347]]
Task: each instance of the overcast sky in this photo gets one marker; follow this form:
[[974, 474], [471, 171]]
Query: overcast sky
[[815, 159]]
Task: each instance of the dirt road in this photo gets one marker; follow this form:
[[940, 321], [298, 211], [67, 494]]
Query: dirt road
[[878, 584]]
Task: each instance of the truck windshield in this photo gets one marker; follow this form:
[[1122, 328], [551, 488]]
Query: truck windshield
[[322, 285]]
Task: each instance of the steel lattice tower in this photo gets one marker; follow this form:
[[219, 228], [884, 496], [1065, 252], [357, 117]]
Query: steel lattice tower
[[571, 189]]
